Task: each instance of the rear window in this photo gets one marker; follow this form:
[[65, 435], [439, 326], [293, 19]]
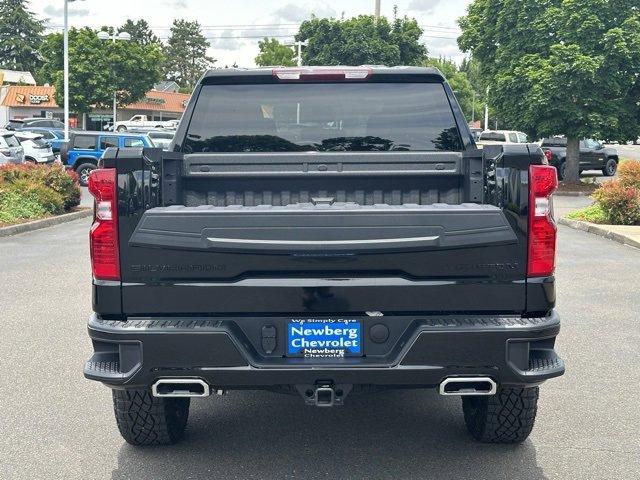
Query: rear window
[[133, 142], [554, 142], [493, 137], [106, 142], [322, 117], [9, 141], [84, 142]]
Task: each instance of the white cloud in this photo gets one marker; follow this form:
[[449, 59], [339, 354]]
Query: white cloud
[[296, 12], [54, 11], [427, 6]]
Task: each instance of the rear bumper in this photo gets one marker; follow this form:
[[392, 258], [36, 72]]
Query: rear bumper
[[421, 352]]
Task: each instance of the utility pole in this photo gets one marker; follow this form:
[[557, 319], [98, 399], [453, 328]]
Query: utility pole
[[377, 11]]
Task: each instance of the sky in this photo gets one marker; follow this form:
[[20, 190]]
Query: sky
[[235, 27]]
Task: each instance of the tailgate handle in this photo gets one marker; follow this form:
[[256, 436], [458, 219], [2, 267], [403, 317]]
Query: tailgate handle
[[351, 246], [323, 200]]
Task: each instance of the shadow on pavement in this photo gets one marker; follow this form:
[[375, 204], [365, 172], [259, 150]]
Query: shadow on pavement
[[396, 435]]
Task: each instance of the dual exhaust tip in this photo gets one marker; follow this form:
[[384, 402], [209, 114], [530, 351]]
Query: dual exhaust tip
[[195, 387]]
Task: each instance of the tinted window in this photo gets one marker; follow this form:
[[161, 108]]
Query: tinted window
[[322, 117], [513, 138], [554, 142], [493, 136], [106, 142], [15, 124], [592, 144], [10, 141], [84, 142], [133, 142]]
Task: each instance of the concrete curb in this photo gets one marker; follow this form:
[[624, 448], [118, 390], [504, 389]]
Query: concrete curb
[[601, 230], [44, 223], [572, 194]]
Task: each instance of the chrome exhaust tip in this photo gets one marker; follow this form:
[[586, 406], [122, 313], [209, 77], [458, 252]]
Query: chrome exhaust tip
[[180, 388], [467, 386]]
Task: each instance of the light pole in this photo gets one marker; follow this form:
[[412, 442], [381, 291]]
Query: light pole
[[124, 37], [486, 110], [66, 68]]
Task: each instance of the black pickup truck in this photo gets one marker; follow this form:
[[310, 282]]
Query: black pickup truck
[[323, 232], [593, 156]]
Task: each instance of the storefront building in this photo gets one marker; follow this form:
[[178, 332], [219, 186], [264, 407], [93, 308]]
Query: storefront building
[[28, 101]]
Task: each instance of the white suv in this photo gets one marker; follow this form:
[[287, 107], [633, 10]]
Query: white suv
[[36, 149], [10, 149]]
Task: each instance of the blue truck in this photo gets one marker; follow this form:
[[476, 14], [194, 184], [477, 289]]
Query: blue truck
[[86, 148]]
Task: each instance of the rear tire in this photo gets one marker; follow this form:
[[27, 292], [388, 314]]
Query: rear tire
[[146, 420], [610, 168], [561, 170], [506, 417], [122, 128]]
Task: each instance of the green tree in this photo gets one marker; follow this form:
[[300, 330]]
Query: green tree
[[460, 84], [186, 54], [99, 68], [272, 52], [362, 40], [20, 36], [140, 32], [560, 66]]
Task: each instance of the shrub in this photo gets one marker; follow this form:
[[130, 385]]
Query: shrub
[[16, 205], [54, 177], [619, 202], [51, 201], [629, 172], [592, 213]]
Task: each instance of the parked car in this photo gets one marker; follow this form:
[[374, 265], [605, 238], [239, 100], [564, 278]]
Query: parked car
[[323, 238], [138, 122], [495, 137], [55, 138], [10, 149], [85, 149], [36, 149], [593, 156], [26, 123], [160, 138]]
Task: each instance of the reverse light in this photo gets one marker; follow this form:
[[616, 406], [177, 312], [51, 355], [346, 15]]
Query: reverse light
[[105, 259], [543, 181], [321, 73]]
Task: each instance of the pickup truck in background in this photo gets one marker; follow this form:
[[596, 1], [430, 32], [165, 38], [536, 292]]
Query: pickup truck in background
[[138, 122], [323, 232], [593, 156]]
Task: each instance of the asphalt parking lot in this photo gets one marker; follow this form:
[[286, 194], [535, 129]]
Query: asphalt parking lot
[[56, 425]]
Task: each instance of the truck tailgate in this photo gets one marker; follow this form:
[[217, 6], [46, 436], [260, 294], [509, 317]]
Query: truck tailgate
[[389, 232]]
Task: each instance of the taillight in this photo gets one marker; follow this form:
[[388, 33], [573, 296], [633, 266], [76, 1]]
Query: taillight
[[549, 155], [105, 259], [543, 181], [321, 74]]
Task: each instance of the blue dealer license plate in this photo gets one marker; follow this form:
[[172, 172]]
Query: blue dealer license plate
[[324, 338]]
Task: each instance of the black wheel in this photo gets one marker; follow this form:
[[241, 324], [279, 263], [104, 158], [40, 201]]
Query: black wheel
[[610, 168], [83, 172], [506, 417], [146, 420], [561, 170], [30, 160]]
